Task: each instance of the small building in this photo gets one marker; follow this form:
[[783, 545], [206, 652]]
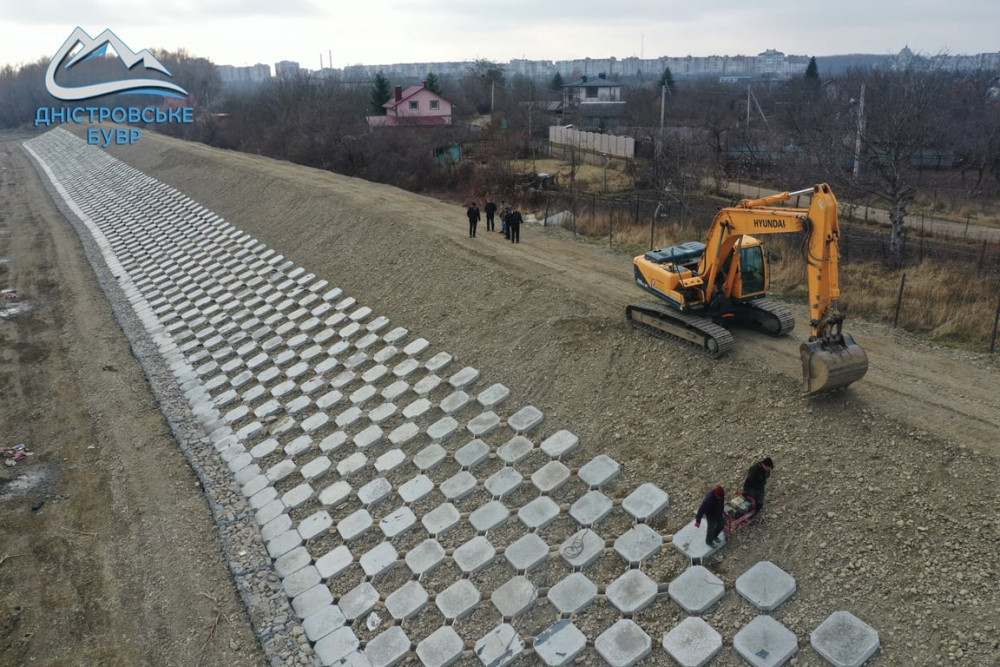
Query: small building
[[594, 102], [415, 106]]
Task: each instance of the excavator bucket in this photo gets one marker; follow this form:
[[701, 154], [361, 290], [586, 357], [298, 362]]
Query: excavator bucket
[[829, 365]]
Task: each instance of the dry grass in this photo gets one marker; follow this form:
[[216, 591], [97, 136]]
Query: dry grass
[[946, 304], [589, 178]]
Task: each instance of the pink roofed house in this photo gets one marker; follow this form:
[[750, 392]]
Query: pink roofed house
[[417, 105]]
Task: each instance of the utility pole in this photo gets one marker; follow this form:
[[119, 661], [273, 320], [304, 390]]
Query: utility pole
[[663, 103], [748, 106], [861, 130]]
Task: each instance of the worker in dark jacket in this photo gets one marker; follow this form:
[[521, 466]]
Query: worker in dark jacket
[[514, 226], [473, 214], [712, 508], [753, 486], [491, 210]]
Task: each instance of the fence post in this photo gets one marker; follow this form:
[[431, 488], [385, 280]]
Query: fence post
[[637, 209], [899, 301], [545, 220], [996, 320], [982, 259]]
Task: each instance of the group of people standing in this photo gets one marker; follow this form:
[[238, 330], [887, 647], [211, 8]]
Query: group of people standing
[[510, 219]]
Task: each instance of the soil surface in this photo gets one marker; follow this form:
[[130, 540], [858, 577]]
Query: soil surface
[[882, 501]]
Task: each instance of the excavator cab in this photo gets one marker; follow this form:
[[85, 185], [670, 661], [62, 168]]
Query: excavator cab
[[753, 271]]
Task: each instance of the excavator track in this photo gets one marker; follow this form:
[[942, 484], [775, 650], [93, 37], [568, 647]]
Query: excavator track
[[767, 316], [664, 322]]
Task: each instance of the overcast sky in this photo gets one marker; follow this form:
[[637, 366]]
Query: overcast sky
[[245, 32]]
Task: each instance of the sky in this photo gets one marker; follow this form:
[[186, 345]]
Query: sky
[[347, 32]]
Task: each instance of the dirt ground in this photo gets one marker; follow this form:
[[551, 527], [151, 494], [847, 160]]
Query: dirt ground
[[882, 501]]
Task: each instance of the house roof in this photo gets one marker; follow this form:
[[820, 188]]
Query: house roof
[[410, 92]]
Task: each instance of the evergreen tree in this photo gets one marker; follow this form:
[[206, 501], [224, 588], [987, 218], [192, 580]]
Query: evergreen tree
[[380, 94], [812, 71], [557, 82], [668, 80], [433, 84]]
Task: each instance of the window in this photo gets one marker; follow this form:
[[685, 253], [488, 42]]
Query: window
[[435, 104], [414, 105], [591, 92]]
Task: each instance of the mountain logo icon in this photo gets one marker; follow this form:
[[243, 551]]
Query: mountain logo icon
[[69, 55]]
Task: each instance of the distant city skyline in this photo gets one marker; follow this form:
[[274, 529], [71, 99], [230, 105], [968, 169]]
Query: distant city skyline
[[263, 31]]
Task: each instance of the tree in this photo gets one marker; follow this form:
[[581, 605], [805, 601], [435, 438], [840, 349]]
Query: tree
[[812, 71], [380, 94], [557, 83], [667, 79], [433, 84]]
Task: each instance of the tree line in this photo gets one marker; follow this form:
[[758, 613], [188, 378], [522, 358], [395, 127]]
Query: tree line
[[887, 136]]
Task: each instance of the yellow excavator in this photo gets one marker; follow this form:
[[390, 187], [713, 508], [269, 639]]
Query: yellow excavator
[[706, 287]]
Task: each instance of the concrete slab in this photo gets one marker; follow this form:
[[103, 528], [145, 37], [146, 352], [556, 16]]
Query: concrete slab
[[438, 361], [389, 648], [374, 491], [395, 390], [334, 562], [632, 591], [696, 589], [474, 555], [623, 644], [464, 377], [323, 622], [381, 412], [354, 525], [765, 585], [329, 399], [425, 556], [300, 581], [582, 548], [526, 419], [690, 541], [359, 601], [454, 402], [527, 553], [844, 640], [539, 513], [416, 408], [352, 464], [591, 508], [493, 395], [430, 457], [646, 502], [503, 482], [379, 560], [297, 496], [416, 489], [308, 603], [405, 368], [442, 428], [406, 601], [459, 485], [500, 646], [398, 522], [514, 597], [550, 477], [335, 494], [515, 450], [441, 519], [560, 444], [389, 461], [458, 600], [489, 517], [484, 423], [336, 646], [560, 643], [291, 562], [572, 594], [472, 454], [692, 642], [764, 642], [332, 442], [638, 544], [441, 648], [427, 385], [404, 433], [315, 524]]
